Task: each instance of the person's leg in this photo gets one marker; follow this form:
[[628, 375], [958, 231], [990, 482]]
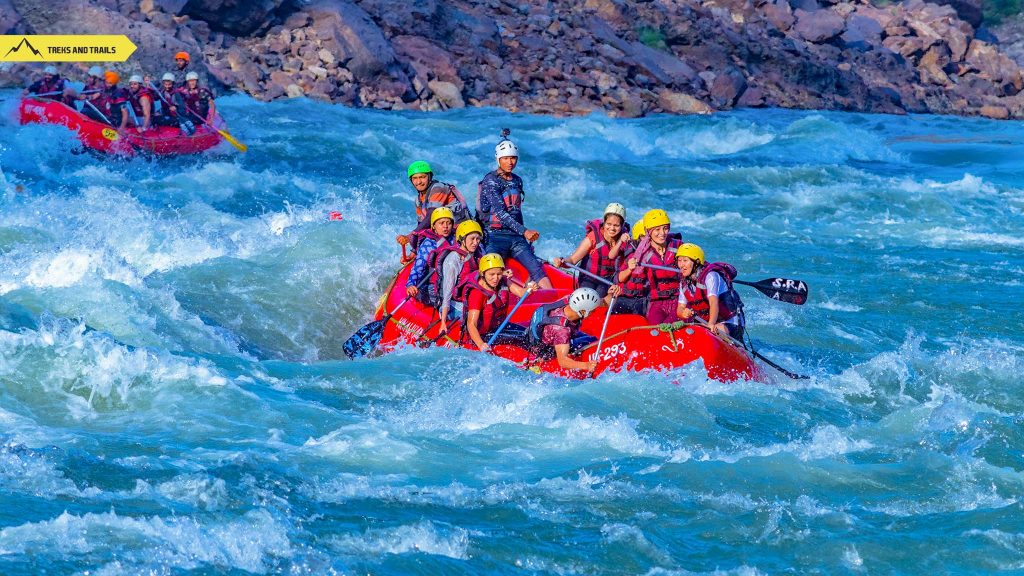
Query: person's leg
[[523, 252], [661, 311], [499, 243]]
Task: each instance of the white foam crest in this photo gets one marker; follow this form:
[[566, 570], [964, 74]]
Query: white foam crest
[[852, 559], [944, 237], [969, 185], [361, 443], [250, 543], [91, 371], [738, 571], [198, 490], [27, 471], [619, 434], [838, 306], [635, 538], [425, 537], [825, 442], [719, 141], [575, 136], [1014, 542]]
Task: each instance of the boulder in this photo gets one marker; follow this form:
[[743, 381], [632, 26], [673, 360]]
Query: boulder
[[818, 26], [429, 60], [726, 88], [680, 103], [862, 32], [779, 14], [346, 31], [931, 65], [994, 112], [9, 17], [236, 17], [447, 93]]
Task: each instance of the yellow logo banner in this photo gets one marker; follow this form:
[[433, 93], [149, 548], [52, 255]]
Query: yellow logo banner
[[66, 48]]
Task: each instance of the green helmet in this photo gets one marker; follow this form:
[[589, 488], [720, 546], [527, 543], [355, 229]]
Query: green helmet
[[419, 167]]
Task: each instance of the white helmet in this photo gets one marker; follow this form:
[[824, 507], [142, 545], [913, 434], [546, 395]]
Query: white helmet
[[50, 70], [583, 301], [96, 71], [617, 209], [192, 76], [168, 76], [135, 78], [505, 148]]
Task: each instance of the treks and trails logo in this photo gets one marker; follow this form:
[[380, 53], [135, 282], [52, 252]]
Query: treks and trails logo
[[65, 48]]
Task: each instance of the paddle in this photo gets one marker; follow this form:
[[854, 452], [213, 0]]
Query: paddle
[[600, 340], [753, 352], [224, 133], [97, 110], [186, 125], [366, 339], [59, 92], [507, 318], [782, 289], [587, 273]]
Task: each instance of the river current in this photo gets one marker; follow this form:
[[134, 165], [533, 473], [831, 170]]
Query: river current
[[174, 398]]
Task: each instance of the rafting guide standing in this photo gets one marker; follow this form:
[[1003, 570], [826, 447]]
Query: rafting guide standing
[[499, 208]]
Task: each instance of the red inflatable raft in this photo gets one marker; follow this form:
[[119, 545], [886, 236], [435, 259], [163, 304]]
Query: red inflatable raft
[[630, 343], [160, 140]]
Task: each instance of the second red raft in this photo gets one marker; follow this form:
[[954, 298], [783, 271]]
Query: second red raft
[[159, 140]]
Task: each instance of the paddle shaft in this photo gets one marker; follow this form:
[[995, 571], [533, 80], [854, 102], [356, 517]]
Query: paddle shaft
[[102, 115], [224, 133], [756, 354], [604, 327], [588, 273], [60, 92], [507, 318]]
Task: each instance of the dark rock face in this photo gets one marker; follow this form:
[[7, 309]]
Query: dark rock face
[[237, 17], [625, 57]]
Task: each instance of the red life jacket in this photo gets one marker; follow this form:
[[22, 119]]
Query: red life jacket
[[417, 236], [109, 101], [136, 101], [495, 306], [436, 262], [198, 100], [599, 261], [662, 284], [697, 294], [636, 285]]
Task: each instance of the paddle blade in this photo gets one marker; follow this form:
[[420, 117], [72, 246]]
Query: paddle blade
[[231, 139], [365, 340], [784, 289]]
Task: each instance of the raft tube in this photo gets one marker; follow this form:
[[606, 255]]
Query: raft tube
[[158, 141], [630, 344]]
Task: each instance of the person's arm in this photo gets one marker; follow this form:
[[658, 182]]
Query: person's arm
[[491, 199], [213, 110], [450, 275], [147, 111], [714, 283], [472, 318], [419, 267], [562, 354], [578, 255], [124, 115]]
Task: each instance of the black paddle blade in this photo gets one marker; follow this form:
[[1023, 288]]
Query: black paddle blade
[[784, 289], [365, 340]]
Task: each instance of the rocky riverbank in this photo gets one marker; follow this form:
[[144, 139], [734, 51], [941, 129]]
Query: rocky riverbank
[[627, 58]]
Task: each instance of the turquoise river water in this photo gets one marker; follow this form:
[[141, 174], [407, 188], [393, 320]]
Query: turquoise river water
[[174, 398]]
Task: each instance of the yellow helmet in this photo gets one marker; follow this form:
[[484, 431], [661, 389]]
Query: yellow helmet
[[488, 261], [439, 213], [655, 218], [638, 229], [467, 228], [691, 251]]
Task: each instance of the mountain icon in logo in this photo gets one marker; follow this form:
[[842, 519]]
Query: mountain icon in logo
[[24, 42]]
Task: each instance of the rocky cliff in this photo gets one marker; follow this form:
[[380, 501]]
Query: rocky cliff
[[625, 57]]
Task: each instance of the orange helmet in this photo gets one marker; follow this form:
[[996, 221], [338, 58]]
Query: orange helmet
[[111, 76], [183, 56]]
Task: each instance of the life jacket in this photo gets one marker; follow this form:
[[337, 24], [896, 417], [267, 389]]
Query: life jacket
[[598, 260], [696, 294], [512, 194], [110, 101], [495, 306], [41, 86], [436, 263], [135, 99], [438, 195], [662, 284], [179, 76], [166, 98], [542, 317], [197, 100]]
